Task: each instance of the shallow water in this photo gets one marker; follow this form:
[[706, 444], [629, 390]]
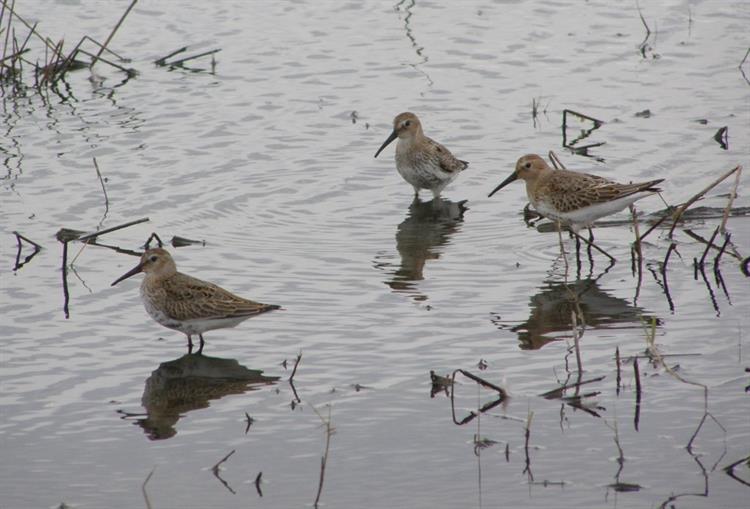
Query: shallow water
[[266, 161]]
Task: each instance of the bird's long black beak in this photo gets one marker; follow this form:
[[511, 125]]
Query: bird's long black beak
[[132, 272], [513, 176], [392, 137]]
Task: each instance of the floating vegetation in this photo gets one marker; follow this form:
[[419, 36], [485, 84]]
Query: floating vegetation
[[22, 66]]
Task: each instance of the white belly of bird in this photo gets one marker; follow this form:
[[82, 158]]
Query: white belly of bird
[[585, 216], [424, 175], [190, 327]]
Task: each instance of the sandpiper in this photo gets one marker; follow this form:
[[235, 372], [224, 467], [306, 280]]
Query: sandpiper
[[181, 302], [421, 161], [574, 199]]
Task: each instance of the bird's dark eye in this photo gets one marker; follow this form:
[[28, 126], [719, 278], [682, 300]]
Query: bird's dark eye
[[153, 258], [407, 123], [527, 166]]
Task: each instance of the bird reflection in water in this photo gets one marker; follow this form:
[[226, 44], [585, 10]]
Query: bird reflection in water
[[429, 225], [552, 306], [190, 383]]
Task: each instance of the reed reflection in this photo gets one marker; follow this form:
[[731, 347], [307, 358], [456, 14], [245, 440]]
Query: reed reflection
[[428, 226], [552, 307], [190, 383]]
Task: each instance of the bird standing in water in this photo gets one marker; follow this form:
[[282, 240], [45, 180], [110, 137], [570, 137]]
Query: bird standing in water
[[181, 302], [574, 199], [421, 161]]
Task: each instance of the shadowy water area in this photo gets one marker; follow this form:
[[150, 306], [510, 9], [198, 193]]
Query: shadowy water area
[[454, 352]]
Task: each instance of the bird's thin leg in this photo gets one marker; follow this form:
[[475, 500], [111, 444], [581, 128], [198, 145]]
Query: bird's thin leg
[[591, 244], [200, 348], [190, 344]]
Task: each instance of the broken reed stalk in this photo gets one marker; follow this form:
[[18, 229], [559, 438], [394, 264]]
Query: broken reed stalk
[[678, 214], [482, 382], [732, 196], [192, 57], [129, 72], [556, 162], [88, 236], [557, 392], [112, 34], [161, 61]]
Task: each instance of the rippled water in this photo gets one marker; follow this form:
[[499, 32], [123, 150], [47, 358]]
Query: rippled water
[[270, 161]]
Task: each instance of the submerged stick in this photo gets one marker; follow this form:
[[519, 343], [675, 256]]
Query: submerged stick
[[112, 34], [678, 214]]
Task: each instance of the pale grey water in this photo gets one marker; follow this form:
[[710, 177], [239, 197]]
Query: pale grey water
[[263, 161]]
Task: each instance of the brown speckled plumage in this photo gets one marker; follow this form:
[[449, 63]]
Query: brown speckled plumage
[[575, 199], [188, 304], [421, 161]]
